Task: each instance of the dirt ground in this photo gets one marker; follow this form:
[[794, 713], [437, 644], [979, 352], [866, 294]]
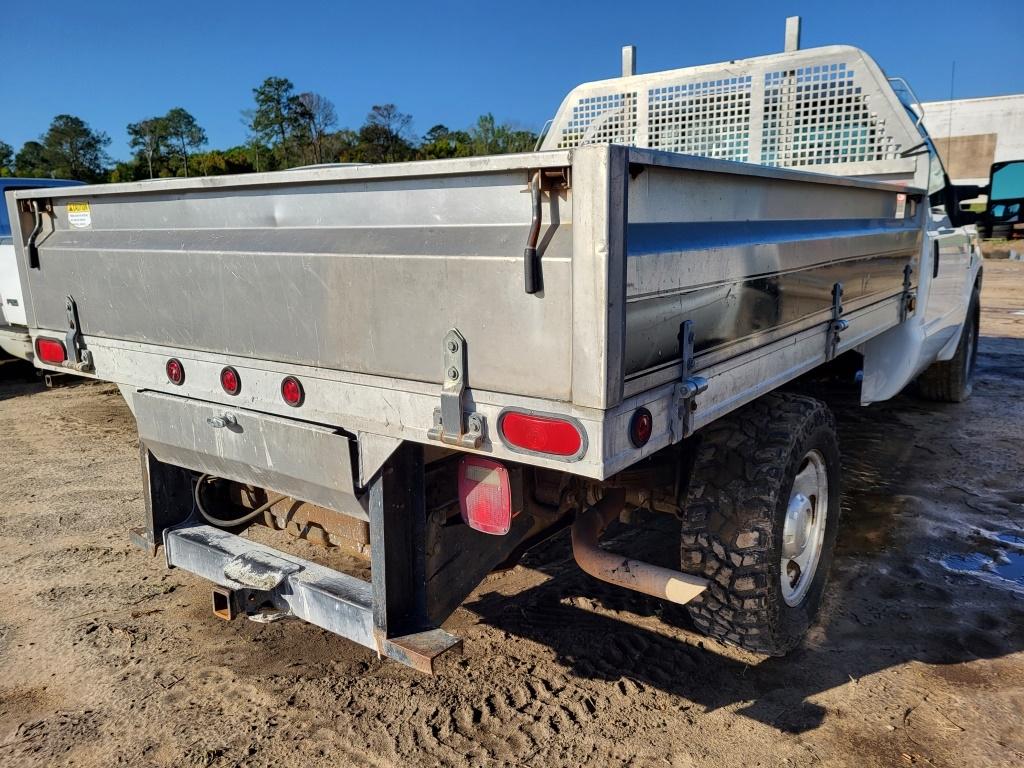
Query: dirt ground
[[107, 658]]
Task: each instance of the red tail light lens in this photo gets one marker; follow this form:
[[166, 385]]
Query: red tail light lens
[[541, 434], [291, 391], [51, 351], [485, 496], [175, 372], [641, 427], [231, 381]]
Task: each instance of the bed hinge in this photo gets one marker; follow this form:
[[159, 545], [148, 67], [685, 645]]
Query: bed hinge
[[689, 386], [451, 425], [79, 358], [837, 324]]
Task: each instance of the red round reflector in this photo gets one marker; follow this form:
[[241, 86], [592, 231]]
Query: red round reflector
[[541, 434], [291, 391], [51, 351], [230, 380], [175, 372], [641, 427]]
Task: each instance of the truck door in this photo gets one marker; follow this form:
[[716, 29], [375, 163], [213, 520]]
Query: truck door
[[946, 263]]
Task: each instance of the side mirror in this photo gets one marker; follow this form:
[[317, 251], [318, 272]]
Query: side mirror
[[1006, 193], [964, 203]]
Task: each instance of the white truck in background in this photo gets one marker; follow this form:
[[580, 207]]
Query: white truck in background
[[444, 362], [14, 337]]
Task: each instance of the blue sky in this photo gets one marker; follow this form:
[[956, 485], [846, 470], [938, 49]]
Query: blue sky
[[113, 62]]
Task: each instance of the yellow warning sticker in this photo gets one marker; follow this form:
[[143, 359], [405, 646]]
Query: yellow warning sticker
[[79, 215]]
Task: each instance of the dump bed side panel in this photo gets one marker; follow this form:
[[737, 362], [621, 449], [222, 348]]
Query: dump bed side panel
[[358, 274], [752, 257]]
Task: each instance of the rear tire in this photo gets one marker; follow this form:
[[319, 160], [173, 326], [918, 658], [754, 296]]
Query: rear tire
[[743, 488], [951, 381]]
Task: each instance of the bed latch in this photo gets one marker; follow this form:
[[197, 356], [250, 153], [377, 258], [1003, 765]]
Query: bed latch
[[451, 425], [550, 181], [689, 386], [37, 208], [532, 278]]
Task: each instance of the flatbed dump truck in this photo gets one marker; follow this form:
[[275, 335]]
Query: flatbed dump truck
[[445, 362]]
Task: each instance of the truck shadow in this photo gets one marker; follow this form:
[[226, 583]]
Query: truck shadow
[[909, 499], [18, 377]]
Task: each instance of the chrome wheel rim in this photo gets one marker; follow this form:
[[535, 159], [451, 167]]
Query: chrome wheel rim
[[803, 532]]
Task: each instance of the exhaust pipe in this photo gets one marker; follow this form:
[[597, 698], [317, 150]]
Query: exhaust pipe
[[653, 580]]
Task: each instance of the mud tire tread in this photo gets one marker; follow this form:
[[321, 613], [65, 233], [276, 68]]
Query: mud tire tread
[[744, 464]]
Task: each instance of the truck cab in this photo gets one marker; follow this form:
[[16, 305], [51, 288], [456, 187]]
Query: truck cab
[[950, 274]]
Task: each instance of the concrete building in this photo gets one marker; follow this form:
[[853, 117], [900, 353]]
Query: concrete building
[[971, 134]]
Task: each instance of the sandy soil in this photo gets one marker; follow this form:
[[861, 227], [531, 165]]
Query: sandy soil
[[106, 658]]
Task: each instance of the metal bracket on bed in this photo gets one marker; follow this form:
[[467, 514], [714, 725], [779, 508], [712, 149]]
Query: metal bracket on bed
[[450, 426], [684, 400], [837, 324], [908, 300]]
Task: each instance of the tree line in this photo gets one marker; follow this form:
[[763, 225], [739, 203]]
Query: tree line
[[287, 128]]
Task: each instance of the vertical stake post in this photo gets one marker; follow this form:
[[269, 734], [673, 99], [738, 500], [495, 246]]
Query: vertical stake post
[[792, 34]]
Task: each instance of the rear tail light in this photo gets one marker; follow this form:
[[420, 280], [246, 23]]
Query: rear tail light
[[175, 371], [485, 496], [230, 380], [51, 351], [541, 434], [291, 391]]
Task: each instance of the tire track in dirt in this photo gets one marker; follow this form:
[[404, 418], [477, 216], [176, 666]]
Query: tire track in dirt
[[108, 659]]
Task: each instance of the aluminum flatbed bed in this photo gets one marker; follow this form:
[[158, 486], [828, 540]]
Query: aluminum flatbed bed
[[351, 278]]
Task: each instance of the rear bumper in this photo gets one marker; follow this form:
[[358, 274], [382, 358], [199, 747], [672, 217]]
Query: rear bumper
[[257, 576], [15, 341]]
